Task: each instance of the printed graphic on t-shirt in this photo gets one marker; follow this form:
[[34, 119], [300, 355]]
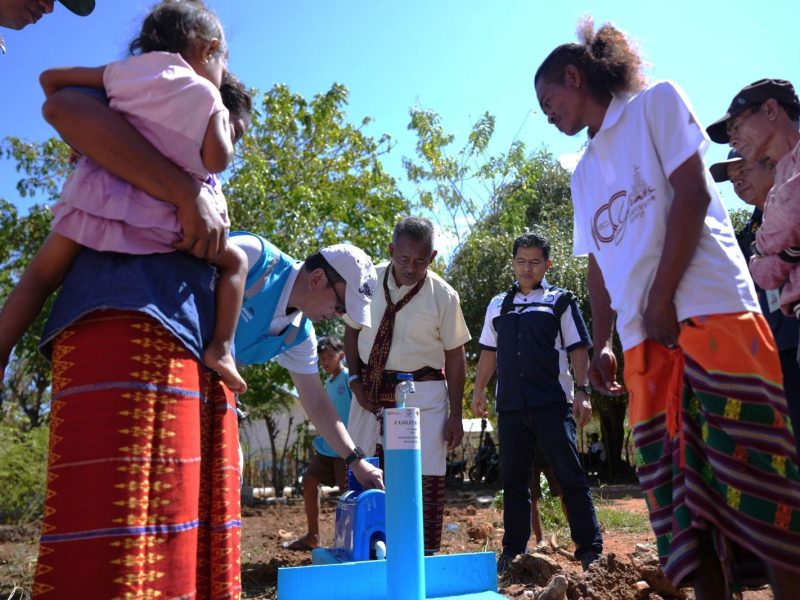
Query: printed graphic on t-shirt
[[623, 208]]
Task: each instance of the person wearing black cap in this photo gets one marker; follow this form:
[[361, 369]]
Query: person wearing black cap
[[17, 14], [752, 183], [762, 124], [754, 125]]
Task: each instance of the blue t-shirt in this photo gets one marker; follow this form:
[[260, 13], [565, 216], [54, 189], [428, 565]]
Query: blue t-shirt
[[338, 390], [175, 288]]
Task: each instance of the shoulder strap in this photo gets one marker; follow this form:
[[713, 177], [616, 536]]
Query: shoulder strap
[[563, 301], [266, 261], [565, 298], [508, 301]]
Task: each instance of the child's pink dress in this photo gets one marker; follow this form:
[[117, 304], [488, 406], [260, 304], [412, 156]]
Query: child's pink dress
[[778, 238], [170, 105]]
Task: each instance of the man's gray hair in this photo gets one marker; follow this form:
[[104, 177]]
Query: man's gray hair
[[418, 229]]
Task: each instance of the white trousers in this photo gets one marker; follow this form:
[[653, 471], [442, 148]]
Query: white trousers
[[431, 400]]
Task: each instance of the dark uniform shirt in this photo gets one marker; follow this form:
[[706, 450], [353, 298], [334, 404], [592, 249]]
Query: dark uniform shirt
[[532, 337], [784, 329]]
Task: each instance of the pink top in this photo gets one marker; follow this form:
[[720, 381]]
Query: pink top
[[170, 105], [779, 232]]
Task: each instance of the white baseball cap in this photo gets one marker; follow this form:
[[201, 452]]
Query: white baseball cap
[[358, 272]]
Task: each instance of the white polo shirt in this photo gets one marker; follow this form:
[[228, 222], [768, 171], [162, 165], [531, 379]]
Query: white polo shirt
[[622, 197]]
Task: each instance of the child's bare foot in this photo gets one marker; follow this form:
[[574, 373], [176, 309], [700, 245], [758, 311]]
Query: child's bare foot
[[219, 359], [304, 544]]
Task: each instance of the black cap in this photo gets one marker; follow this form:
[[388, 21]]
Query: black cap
[[79, 7], [756, 93], [719, 171]]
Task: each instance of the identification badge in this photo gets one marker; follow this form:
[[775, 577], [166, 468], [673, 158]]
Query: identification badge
[[773, 300]]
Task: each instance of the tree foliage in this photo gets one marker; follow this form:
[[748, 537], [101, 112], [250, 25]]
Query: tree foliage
[[490, 199], [43, 167], [739, 217], [23, 470], [304, 177]]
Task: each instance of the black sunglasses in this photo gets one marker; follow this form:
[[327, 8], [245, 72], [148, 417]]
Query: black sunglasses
[[340, 305]]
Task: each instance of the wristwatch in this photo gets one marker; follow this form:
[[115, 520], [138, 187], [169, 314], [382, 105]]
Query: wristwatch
[[586, 389], [355, 455]]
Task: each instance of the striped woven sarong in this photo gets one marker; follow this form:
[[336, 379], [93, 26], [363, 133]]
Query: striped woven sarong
[[432, 512], [143, 478], [732, 469]]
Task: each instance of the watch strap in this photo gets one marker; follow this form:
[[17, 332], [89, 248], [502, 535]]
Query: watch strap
[[355, 455]]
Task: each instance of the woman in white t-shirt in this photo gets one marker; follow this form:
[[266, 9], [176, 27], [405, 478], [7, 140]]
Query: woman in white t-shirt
[[716, 460]]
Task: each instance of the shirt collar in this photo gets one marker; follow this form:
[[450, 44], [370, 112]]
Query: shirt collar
[[613, 113], [401, 289], [283, 303], [543, 285]]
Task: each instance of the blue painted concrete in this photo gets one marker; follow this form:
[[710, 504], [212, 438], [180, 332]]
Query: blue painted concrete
[[406, 574], [470, 576], [405, 544]]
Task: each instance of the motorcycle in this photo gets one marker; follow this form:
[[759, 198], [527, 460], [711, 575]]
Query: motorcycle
[[454, 475], [486, 465]]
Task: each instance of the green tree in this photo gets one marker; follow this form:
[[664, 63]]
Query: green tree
[[304, 177], [739, 217], [43, 167], [23, 461], [490, 199]]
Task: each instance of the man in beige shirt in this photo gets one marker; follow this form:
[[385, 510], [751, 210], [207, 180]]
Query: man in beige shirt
[[417, 327]]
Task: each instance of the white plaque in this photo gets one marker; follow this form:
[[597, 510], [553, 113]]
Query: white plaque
[[402, 429]]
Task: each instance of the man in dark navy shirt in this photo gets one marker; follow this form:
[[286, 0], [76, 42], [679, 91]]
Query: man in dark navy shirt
[[530, 335], [752, 183]]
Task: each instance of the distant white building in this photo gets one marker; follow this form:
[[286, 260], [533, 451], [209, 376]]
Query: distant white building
[[254, 439]]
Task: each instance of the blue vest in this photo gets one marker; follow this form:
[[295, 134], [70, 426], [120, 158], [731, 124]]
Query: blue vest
[[266, 280]]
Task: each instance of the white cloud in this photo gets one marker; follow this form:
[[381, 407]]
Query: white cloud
[[570, 160]]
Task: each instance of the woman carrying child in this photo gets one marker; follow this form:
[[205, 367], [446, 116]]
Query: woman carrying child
[[143, 477], [169, 90]]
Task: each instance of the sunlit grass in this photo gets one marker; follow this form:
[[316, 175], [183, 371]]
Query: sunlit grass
[[616, 519]]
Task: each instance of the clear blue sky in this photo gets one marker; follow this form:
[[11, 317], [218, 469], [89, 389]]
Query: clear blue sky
[[457, 57]]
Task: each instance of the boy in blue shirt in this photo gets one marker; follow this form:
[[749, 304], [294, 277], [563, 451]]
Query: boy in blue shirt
[[326, 466]]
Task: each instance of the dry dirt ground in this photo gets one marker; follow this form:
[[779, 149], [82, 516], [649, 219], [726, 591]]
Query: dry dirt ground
[[471, 525]]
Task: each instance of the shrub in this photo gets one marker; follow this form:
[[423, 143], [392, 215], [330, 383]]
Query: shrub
[[23, 469]]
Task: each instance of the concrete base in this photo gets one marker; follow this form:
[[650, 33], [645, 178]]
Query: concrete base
[[468, 576]]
